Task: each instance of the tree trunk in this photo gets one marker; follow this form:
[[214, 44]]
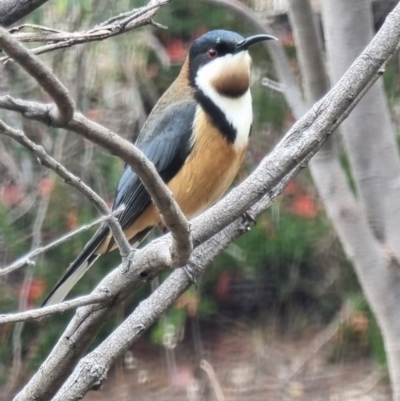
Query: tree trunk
[[368, 226], [368, 132]]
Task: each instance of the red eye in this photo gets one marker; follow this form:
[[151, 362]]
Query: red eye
[[212, 53]]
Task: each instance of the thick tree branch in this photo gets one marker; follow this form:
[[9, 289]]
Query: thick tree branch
[[377, 182], [13, 10], [373, 153], [307, 135], [92, 369]]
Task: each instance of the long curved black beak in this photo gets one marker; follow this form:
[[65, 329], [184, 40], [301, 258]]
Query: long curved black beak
[[246, 43]]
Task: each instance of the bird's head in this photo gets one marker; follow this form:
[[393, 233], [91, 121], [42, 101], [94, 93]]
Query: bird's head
[[219, 60]]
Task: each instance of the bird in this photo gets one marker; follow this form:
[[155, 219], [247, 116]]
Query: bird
[[196, 136]]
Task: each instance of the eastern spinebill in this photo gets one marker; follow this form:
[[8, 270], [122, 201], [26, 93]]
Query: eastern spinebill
[[196, 136]]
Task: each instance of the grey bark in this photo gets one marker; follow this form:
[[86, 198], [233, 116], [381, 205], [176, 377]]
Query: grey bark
[[376, 171], [369, 134], [309, 50], [374, 157], [92, 369], [13, 10]]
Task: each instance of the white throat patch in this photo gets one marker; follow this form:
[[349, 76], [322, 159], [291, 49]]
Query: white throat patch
[[238, 111]]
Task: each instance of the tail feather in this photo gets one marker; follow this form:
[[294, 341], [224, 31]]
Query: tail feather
[[83, 262], [77, 269]]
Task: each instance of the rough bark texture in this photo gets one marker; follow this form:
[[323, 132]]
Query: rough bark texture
[[93, 368], [13, 10], [372, 149], [368, 141]]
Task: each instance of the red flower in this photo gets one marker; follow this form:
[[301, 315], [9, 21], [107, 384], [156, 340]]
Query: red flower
[[35, 291], [177, 51], [304, 206], [46, 186], [11, 195], [299, 202], [71, 219]]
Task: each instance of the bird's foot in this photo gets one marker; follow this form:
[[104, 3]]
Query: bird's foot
[[188, 269], [248, 221]]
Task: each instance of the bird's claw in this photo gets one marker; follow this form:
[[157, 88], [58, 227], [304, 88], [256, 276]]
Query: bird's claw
[[192, 278], [248, 221]]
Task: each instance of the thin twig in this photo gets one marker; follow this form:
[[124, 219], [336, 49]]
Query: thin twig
[[119, 17], [36, 314], [125, 18], [207, 367], [318, 342], [27, 259], [33, 26], [274, 85]]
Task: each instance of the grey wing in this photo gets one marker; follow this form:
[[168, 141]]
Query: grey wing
[[166, 141]]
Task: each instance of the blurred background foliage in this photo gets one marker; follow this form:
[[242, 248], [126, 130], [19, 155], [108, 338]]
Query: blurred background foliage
[[288, 273]]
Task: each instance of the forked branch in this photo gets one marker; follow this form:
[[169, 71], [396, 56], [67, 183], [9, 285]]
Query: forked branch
[[173, 217]]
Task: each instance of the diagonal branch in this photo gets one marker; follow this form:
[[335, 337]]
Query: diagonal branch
[[92, 370], [71, 179]]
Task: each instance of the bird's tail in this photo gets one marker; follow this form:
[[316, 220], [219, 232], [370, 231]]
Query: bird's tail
[[77, 269], [83, 262]]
